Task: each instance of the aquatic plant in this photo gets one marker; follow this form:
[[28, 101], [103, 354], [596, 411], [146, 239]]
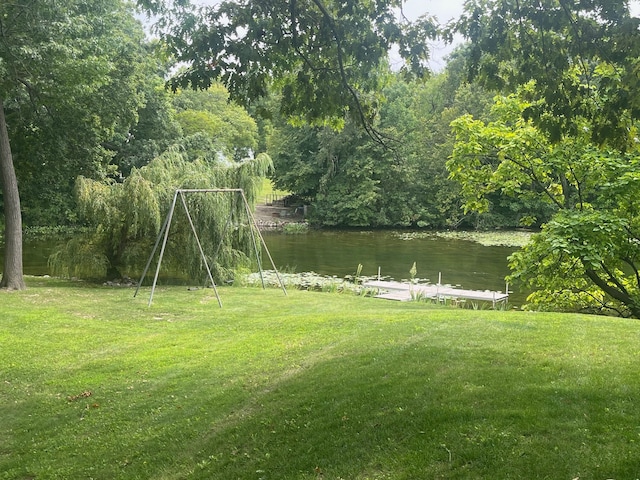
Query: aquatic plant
[[487, 239], [295, 228]]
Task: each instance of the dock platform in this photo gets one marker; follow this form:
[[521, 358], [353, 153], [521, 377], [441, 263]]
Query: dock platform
[[401, 291]]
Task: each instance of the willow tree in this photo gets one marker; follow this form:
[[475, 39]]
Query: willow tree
[[126, 218]]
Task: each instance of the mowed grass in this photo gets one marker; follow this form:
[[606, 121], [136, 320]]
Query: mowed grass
[[95, 384]]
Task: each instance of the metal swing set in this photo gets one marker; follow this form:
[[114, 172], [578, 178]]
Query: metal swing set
[[163, 236]]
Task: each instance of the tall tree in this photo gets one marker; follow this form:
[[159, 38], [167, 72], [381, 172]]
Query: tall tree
[[569, 135], [68, 77], [586, 256], [12, 277]]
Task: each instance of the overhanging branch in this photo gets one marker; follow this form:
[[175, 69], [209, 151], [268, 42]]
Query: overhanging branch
[[614, 292], [377, 136]]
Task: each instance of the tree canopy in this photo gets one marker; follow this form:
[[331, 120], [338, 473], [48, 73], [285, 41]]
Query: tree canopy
[[322, 55], [349, 180], [210, 112], [581, 55]]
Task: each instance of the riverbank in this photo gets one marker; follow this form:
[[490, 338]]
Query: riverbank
[[273, 217], [308, 386]]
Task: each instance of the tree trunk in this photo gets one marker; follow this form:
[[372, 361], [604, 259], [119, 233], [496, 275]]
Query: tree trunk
[[12, 274]]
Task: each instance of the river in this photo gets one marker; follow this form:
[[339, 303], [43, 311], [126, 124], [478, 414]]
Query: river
[[457, 262]]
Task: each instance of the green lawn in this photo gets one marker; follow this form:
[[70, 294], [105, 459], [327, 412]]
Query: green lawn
[[95, 384]]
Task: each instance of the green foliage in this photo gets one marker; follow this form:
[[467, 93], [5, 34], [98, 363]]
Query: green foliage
[[296, 228], [194, 121], [351, 181], [210, 112], [567, 137], [323, 56], [506, 158], [417, 115], [70, 78], [507, 238], [80, 258], [413, 271], [127, 217], [336, 172], [587, 255], [582, 55], [155, 130], [565, 262]]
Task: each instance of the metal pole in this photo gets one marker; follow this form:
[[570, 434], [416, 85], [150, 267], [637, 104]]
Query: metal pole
[[255, 225], [204, 258], [253, 240], [153, 252], [164, 245]]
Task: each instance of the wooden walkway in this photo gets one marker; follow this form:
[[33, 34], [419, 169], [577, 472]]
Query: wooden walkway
[[404, 292]]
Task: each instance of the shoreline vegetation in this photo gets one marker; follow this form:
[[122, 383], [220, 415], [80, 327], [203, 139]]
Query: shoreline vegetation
[[94, 383]]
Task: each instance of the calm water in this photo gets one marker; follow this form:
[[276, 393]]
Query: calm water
[[35, 255], [463, 263], [467, 264]]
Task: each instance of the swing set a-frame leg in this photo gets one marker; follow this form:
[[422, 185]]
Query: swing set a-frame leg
[[164, 232], [164, 235], [254, 228]]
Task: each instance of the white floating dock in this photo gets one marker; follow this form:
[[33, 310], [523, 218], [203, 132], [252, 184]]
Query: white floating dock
[[403, 292]]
